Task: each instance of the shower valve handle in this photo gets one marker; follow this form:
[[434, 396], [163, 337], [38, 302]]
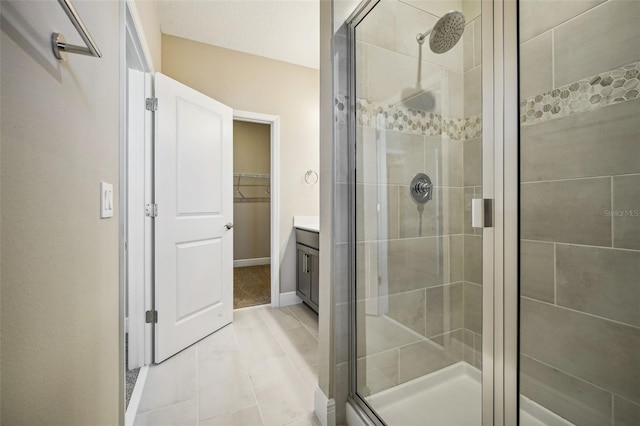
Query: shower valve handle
[[421, 188]]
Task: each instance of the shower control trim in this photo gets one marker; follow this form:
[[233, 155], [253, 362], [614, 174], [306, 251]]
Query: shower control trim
[[481, 213], [421, 188]]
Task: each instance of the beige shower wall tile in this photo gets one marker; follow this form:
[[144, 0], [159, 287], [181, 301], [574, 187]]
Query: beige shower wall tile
[[467, 355], [536, 66], [362, 71], [473, 258], [473, 162], [416, 263], [409, 309], [626, 205], [603, 282], [603, 142], [379, 27], [473, 307], [538, 16], [377, 333], [581, 345], [453, 105], [442, 215], [417, 17], [435, 7], [600, 40], [477, 42], [387, 156], [428, 356], [376, 212], [626, 413], [454, 259], [571, 211], [473, 92], [477, 351], [394, 77], [443, 159], [471, 9], [445, 309], [377, 372], [537, 270], [575, 400], [412, 21], [467, 46]]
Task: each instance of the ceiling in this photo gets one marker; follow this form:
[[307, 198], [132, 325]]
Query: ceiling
[[284, 30]]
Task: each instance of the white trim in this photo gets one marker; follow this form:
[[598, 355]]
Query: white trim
[[136, 396], [134, 19], [134, 49], [241, 263], [324, 408], [274, 122], [288, 298]]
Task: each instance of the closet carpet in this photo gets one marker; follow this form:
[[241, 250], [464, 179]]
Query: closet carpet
[[251, 286]]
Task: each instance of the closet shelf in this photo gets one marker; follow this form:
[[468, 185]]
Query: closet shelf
[[247, 188]]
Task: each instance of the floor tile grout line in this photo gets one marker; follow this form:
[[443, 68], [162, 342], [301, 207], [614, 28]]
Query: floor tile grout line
[[246, 370], [286, 354], [302, 322]]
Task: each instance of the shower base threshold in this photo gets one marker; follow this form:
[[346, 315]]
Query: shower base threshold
[[449, 397]]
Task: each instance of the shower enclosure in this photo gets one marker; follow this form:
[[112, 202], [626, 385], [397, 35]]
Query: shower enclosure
[[494, 211]]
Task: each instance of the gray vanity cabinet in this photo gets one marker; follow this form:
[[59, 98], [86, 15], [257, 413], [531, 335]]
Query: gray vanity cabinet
[[308, 275]]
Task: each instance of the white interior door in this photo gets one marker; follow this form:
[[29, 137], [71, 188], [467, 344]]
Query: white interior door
[[193, 190]]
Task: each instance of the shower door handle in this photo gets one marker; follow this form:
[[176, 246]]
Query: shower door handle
[[481, 213]]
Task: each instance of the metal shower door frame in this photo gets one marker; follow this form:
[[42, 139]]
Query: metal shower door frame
[[500, 183]]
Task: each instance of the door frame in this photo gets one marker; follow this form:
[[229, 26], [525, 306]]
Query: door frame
[[274, 122], [134, 48]]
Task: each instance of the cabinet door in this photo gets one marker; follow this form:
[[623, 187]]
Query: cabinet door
[[314, 275], [303, 277]]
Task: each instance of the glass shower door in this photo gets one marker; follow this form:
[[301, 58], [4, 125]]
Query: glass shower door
[[418, 165]]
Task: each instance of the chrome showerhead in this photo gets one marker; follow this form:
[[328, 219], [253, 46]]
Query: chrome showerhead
[[445, 33]]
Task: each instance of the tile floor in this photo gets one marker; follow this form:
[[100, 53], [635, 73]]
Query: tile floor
[[260, 370]]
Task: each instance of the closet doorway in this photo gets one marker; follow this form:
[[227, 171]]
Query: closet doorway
[[255, 249]]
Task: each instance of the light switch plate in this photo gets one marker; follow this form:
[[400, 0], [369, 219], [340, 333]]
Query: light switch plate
[[106, 200]]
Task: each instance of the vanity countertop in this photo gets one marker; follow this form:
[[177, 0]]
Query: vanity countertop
[[308, 223]]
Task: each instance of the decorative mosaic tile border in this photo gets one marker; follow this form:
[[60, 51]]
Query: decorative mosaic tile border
[[618, 85], [406, 120], [610, 87]]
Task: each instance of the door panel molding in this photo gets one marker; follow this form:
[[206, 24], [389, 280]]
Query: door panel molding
[[193, 253]]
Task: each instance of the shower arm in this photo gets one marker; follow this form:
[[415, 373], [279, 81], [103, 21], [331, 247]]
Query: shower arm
[[420, 37]]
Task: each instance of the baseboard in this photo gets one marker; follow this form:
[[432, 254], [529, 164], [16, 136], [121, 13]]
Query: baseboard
[[289, 298], [251, 262], [324, 408], [136, 396]]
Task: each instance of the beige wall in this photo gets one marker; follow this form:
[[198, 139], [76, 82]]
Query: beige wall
[[252, 83], [252, 220], [147, 11], [59, 138]]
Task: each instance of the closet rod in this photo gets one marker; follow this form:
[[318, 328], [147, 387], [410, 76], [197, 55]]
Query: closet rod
[[59, 44]]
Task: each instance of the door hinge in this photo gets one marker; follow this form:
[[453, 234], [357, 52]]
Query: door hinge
[[151, 210], [151, 317], [152, 104]]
